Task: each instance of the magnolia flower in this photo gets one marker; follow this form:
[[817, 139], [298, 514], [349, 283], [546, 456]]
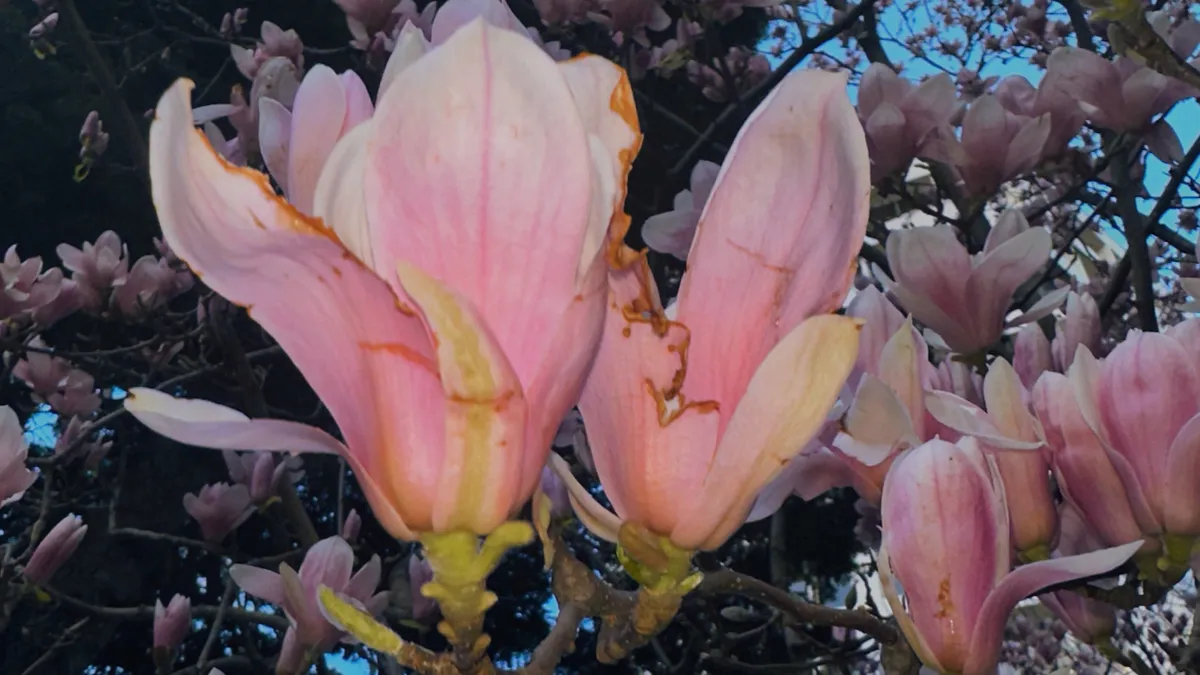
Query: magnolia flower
[[41, 372], [15, 477], [96, 268], [996, 145], [151, 284], [76, 395], [1122, 95], [1143, 402], [275, 42], [295, 145], [219, 509], [672, 232], [24, 287], [633, 17], [964, 298], [278, 79], [959, 379], [1019, 97], [262, 472], [365, 18], [1009, 427], [746, 69], [352, 526], [452, 278], [328, 563], [946, 541], [55, 549], [899, 118], [171, 624], [689, 419]]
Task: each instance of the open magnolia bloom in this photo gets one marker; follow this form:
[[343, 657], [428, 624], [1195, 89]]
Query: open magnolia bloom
[[688, 419], [946, 541], [446, 297]]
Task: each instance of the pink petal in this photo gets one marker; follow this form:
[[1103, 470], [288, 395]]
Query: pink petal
[[260, 583], [671, 232], [785, 404], [317, 119], [358, 101], [882, 321], [1025, 149], [966, 418], [651, 445], [410, 46], [820, 471], [1044, 307], [364, 582], [1031, 354], [274, 138], [880, 84], [498, 165], [752, 278], [900, 369], [877, 421], [1025, 581], [929, 266], [1181, 504], [457, 14], [257, 251], [1010, 224], [597, 519], [996, 277], [208, 425], [485, 411], [338, 200]]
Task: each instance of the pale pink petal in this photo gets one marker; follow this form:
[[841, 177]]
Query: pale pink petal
[[597, 519], [499, 165], [364, 582], [410, 46], [456, 14], [996, 277], [358, 101], [671, 232], [966, 418], [651, 445], [295, 276], [1026, 581], [1044, 307], [1025, 149], [877, 421], [338, 200], [485, 410], [262, 584], [930, 266], [785, 404], [1181, 504], [1010, 224], [208, 425], [752, 278], [820, 471], [317, 119], [900, 369], [274, 138]]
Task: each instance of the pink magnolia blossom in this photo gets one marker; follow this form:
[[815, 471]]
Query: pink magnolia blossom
[[672, 232], [406, 14], [946, 541], [689, 419], [76, 395], [72, 443], [453, 280], [728, 10], [1010, 430], [1143, 402], [55, 549], [24, 286], [44, 27], [93, 140], [964, 298], [1085, 469], [1124, 96], [1088, 620], [96, 268], [352, 526], [1031, 354], [996, 145], [1019, 97], [219, 509], [275, 42], [278, 79], [899, 118], [262, 472], [365, 18], [296, 144], [41, 372], [565, 11], [15, 477], [632, 17], [1079, 327], [151, 284], [328, 563], [171, 624]]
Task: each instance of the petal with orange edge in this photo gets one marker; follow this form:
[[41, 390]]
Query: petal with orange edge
[[784, 407], [486, 184], [779, 237], [368, 360]]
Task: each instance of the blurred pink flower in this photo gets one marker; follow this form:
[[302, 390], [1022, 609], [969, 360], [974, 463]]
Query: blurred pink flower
[[424, 610], [262, 472], [40, 371], [672, 232], [1031, 354], [219, 509], [351, 526], [1079, 327], [171, 624], [151, 284], [1020, 97], [899, 119], [632, 18], [15, 477], [746, 68], [24, 287], [275, 42], [96, 268], [76, 395], [55, 549], [996, 145], [328, 563]]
